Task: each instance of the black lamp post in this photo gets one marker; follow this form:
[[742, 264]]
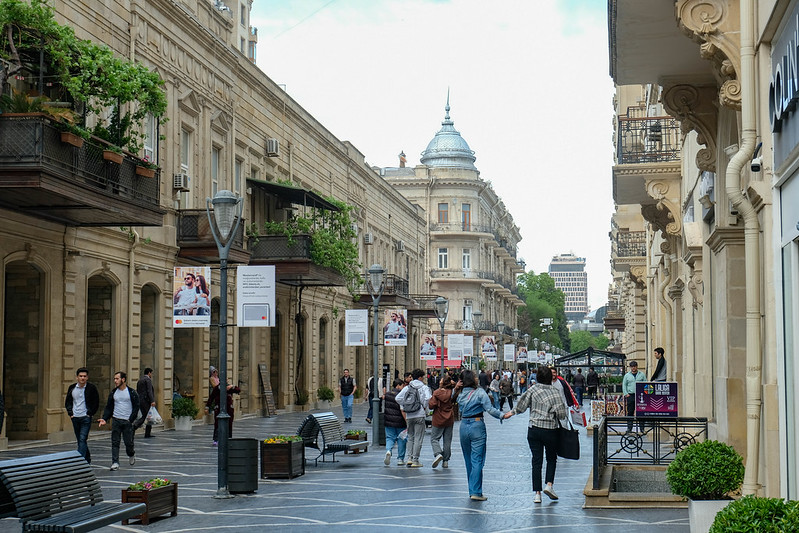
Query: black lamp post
[[500, 331], [376, 287], [526, 338], [227, 217], [515, 346], [442, 308], [476, 316]]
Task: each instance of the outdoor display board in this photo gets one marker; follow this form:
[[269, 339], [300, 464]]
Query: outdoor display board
[[488, 348], [395, 330], [427, 351], [656, 398], [191, 297], [255, 296], [455, 345], [356, 327], [509, 352]]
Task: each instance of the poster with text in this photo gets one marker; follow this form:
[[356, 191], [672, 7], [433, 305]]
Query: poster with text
[[255, 296], [468, 346], [509, 352], [191, 299], [521, 355], [427, 352], [395, 329], [356, 327], [656, 398], [488, 347], [455, 343]]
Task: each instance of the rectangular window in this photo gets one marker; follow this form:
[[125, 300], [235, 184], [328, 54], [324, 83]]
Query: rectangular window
[[467, 259], [150, 137], [237, 177], [466, 216], [442, 258], [185, 151], [215, 157], [467, 309], [243, 46], [443, 213], [243, 15]]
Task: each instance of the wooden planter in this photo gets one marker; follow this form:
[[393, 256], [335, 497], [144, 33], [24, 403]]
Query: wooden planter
[[159, 501], [285, 460], [71, 138], [114, 157], [361, 437], [145, 172]]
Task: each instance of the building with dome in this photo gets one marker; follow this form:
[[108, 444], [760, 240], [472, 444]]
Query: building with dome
[[471, 238]]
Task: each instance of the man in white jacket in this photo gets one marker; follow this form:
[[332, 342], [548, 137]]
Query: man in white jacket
[[413, 399]]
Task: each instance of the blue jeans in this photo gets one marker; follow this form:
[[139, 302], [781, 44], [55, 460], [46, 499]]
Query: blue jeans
[[346, 405], [121, 428], [392, 436], [473, 445], [81, 425], [578, 391], [495, 396]]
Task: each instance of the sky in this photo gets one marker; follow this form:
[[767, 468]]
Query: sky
[[529, 91]]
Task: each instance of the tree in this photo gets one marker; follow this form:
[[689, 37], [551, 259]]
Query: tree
[[543, 301], [581, 340]]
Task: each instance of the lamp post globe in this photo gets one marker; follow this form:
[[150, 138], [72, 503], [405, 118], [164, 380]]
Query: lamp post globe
[[376, 285]]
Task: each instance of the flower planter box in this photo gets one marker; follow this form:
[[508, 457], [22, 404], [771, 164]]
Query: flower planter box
[[358, 438], [159, 501], [284, 460], [145, 172], [71, 138], [114, 157]]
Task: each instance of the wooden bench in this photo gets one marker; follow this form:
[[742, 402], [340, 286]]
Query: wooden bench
[[58, 492], [323, 432]]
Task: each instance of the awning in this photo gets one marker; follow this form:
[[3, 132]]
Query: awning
[[295, 195]]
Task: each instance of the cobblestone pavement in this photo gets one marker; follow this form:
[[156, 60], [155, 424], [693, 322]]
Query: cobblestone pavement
[[360, 493]]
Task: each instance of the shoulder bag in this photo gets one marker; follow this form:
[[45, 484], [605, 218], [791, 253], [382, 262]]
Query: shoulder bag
[[568, 445]]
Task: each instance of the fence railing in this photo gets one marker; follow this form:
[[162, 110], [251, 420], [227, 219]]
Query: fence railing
[[648, 140]]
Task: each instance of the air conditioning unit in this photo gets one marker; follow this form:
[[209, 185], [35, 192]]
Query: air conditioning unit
[[272, 148], [368, 238], [181, 182], [400, 246]]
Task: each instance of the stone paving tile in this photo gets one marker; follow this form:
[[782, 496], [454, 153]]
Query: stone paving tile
[[360, 493]]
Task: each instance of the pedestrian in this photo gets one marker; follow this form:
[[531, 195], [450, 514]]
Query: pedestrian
[[346, 391], [433, 380], [414, 399], [81, 402], [474, 403], [408, 377], [214, 402], [394, 418], [579, 386], [493, 388], [660, 370], [546, 409], [443, 420], [566, 391], [523, 382], [592, 383], [628, 390], [123, 407], [505, 393], [370, 389], [485, 381], [146, 393]]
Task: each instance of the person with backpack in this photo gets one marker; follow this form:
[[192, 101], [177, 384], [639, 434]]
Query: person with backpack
[[414, 399], [506, 393]]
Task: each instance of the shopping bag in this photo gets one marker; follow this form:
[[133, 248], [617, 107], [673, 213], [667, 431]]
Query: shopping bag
[[568, 443], [577, 417], [403, 434], [153, 417]]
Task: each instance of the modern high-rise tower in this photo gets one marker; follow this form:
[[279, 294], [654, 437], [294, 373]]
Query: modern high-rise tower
[[569, 274]]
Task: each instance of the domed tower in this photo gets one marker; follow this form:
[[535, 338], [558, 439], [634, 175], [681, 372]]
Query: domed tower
[[448, 148]]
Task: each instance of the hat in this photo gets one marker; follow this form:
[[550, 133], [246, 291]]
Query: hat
[[211, 370], [633, 363]]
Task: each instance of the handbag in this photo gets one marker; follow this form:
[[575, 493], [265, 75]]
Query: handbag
[[568, 444]]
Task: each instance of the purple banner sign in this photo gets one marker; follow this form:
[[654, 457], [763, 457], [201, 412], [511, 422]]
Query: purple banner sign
[[656, 398]]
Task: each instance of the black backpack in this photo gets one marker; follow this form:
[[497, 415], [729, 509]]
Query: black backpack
[[412, 401]]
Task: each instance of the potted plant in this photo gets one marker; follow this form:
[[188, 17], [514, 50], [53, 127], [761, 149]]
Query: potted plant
[[160, 496], [145, 167], [282, 456], [184, 411], [113, 154], [325, 395], [751, 514], [705, 473]]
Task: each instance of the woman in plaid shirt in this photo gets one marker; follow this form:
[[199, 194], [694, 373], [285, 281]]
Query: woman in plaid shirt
[[546, 408]]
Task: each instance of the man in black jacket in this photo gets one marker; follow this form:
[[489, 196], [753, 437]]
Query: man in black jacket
[[123, 406], [82, 402], [144, 388]]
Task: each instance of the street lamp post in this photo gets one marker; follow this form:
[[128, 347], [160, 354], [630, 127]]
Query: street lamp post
[[376, 286], [442, 308], [227, 217], [535, 345], [476, 315], [515, 347], [500, 331], [526, 338]]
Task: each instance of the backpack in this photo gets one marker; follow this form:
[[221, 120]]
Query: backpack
[[412, 401]]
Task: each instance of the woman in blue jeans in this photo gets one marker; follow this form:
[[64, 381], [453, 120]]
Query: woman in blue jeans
[[474, 403]]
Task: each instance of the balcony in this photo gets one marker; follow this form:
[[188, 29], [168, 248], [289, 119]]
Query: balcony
[[395, 291], [197, 243], [43, 177], [460, 275], [648, 140], [628, 249], [292, 260]]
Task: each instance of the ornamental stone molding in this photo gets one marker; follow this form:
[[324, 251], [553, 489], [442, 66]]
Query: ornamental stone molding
[[664, 214], [696, 286], [638, 276], [696, 109]]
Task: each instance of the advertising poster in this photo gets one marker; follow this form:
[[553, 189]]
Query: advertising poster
[[191, 299], [521, 355], [468, 346], [455, 343], [356, 327], [255, 296], [656, 398], [395, 330], [509, 352], [427, 352], [488, 348]]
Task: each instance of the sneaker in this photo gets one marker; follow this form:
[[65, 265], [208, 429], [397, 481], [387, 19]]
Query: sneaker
[[215, 443], [478, 497], [445, 464], [409, 463], [132, 460], [400, 462], [437, 460], [114, 466], [416, 464], [549, 491], [387, 460], [537, 498], [368, 420]]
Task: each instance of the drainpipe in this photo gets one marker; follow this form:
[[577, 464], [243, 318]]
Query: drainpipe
[[131, 272], [754, 353]]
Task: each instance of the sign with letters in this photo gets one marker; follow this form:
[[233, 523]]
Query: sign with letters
[[656, 398]]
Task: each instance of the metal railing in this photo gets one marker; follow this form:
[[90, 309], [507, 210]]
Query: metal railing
[[193, 227], [630, 244], [648, 140], [643, 440]]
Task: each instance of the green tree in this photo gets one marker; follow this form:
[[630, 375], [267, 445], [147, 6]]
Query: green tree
[[581, 340], [543, 301]]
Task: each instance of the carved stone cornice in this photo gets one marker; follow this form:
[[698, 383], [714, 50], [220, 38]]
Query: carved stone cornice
[[714, 25], [676, 290], [664, 214], [722, 237], [638, 276], [696, 109]]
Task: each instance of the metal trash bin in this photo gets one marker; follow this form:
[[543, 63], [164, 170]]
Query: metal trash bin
[[242, 465]]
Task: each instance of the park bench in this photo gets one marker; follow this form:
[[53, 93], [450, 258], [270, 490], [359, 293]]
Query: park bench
[[323, 432], [58, 492]]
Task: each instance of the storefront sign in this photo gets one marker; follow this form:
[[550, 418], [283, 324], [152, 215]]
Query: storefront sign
[[656, 398]]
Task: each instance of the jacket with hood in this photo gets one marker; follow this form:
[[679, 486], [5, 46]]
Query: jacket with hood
[[424, 395]]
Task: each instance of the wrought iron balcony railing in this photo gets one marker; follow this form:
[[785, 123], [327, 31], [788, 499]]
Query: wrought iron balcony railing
[[630, 244], [193, 228], [648, 140]]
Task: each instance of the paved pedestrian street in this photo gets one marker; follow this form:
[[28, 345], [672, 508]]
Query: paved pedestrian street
[[360, 493]]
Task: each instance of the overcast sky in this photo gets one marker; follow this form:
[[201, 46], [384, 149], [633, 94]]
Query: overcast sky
[[529, 91]]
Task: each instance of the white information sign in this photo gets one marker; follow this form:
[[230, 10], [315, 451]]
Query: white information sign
[[509, 352], [455, 343], [255, 296], [356, 327]]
